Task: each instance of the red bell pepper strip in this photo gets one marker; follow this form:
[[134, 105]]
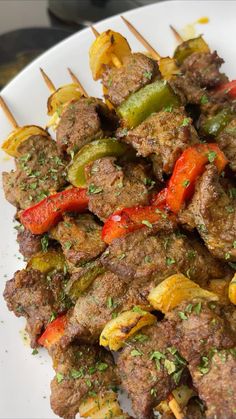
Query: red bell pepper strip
[[188, 168], [53, 332], [41, 217], [160, 199], [127, 220], [227, 88]]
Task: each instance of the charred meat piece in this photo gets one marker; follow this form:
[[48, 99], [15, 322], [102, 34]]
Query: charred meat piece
[[163, 136], [198, 326], [29, 244], [227, 143], [216, 383], [83, 121], [111, 187], [186, 87], [137, 71], [157, 255], [39, 171], [82, 371], [80, 238], [212, 211], [38, 299], [107, 296], [150, 368], [204, 69]]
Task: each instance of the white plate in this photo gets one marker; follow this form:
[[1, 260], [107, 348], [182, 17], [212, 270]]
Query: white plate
[[25, 379]]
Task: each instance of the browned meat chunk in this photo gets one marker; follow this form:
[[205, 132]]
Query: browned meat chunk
[[81, 371], [204, 69], [216, 383], [137, 71], [83, 121], [187, 88], [150, 368], [111, 187], [197, 327], [29, 244], [80, 238], [37, 298], [39, 171], [145, 253], [227, 143], [163, 136], [213, 212], [107, 296]]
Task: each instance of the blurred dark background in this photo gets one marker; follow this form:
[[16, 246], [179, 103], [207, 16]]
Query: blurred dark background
[[30, 27]]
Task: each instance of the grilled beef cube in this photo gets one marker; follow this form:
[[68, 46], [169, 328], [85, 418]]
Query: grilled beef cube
[[227, 142], [212, 211], [82, 371], [150, 368], [204, 337], [216, 383], [204, 68], [107, 296], [80, 238], [188, 89], [39, 171], [83, 121], [137, 71], [111, 187], [38, 299], [161, 253], [163, 136], [198, 326], [29, 244]]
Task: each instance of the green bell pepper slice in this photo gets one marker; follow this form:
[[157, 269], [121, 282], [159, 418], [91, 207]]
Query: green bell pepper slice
[[91, 152], [215, 124], [187, 48], [151, 98], [46, 262], [81, 281]]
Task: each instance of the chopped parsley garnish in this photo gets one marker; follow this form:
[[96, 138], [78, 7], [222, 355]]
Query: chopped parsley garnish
[[211, 156], [110, 303], [137, 309], [53, 316], [197, 308], [186, 122], [148, 74], [93, 189], [136, 352], [67, 245], [168, 108], [102, 366], [227, 255], [44, 242], [182, 315], [76, 373], [59, 377], [35, 352], [204, 100], [186, 183], [147, 223], [140, 337], [170, 261]]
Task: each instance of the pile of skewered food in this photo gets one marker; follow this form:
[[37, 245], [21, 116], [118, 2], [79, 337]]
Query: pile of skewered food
[[127, 222]]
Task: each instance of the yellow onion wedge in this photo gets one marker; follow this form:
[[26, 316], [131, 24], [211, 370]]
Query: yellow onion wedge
[[232, 290], [109, 48], [101, 406], [62, 96], [168, 67], [18, 136], [118, 330], [175, 289]]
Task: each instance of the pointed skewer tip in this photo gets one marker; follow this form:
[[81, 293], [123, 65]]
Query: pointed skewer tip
[[177, 35], [8, 113], [76, 80], [95, 32], [48, 81]]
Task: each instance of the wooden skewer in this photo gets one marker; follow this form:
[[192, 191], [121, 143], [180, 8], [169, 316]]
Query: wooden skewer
[[177, 35], [48, 82], [141, 39], [76, 80], [117, 63], [175, 408], [8, 113]]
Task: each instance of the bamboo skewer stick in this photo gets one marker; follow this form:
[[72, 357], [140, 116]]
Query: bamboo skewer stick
[[177, 35], [48, 82], [8, 113], [141, 39], [76, 80], [117, 63]]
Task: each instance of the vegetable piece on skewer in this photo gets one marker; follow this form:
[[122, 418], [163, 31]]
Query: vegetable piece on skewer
[[20, 134], [46, 262], [91, 152], [149, 99], [109, 48], [232, 290], [227, 88], [215, 124], [189, 47], [118, 330], [41, 217], [188, 168], [53, 332], [102, 406], [175, 289]]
